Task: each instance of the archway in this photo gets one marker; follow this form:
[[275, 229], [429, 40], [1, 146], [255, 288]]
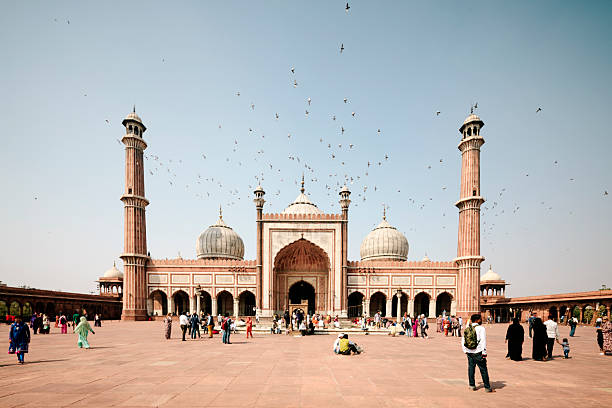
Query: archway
[[443, 304], [355, 304], [403, 305], [206, 303], [181, 302], [563, 314], [39, 307], [3, 309], [246, 303], [552, 312], [225, 303], [160, 303], [421, 304], [50, 310], [15, 309], [378, 303], [27, 310], [303, 291]]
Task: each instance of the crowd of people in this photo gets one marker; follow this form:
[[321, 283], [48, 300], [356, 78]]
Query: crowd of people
[[191, 323]]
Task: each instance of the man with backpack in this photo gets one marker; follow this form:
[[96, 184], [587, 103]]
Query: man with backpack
[[226, 327], [474, 344]]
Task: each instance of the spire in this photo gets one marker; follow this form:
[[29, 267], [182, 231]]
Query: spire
[[384, 212], [302, 189], [134, 108], [220, 212]]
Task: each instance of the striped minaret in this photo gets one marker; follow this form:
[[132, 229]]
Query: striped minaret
[[134, 231], [468, 248]]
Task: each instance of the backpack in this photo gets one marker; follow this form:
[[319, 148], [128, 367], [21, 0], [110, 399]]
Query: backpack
[[224, 325], [470, 339]]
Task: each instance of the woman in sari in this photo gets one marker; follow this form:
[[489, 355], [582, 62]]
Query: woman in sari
[[515, 335], [168, 326], [82, 330], [19, 339], [415, 325], [539, 340], [606, 331], [249, 327]]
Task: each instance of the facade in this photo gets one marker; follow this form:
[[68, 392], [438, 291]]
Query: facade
[[301, 256]]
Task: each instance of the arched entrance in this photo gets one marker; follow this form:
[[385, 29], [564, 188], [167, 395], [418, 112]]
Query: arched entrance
[[563, 313], [50, 310], [206, 303], [403, 305], [225, 303], [355, 304], [303, 292], [378, 303], [443, 304], [552, 312], [27, 310], [160, 303], [246, 304], [3, 309], [15, 309], [181, 302], [421, 304], [303, 263]]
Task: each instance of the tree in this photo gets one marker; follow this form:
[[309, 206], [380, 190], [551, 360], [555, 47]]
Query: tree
[[602, 311], [588, 314]]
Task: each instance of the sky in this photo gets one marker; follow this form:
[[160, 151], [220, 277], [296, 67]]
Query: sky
[[71, 71]]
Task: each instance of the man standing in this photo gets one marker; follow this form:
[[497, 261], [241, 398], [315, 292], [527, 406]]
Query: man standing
[[184, 322], [226, 327], [474, 344], [573, 322], [195, 325], [210, 323], [460, 320], [552, 331], [530, 322]]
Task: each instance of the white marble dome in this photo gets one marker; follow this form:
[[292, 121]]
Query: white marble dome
[[384, 242], [219, 241], [302, 205], [113, 273], [490, 276]]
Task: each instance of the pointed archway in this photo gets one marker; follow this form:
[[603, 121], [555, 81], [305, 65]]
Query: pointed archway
[[303, 292]]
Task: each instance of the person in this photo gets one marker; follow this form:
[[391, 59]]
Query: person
[[63, 321], [19, 339], [82, 330], [515, 335], [286, 318], [573, 322], [439, 324], [184, 322], [415, 324], [168, 326], [474, 344], [226, 326], [337, 343], [606, 330], [210, 323], [446, 325], [552, 331], [249, 327], [599, 332], [75, 319], [189, 325], [345, 347], [195, 325], [424, 327], [57, 320], [97, 321], [530, 320], [540, 339], [566, 348], [460, 325]]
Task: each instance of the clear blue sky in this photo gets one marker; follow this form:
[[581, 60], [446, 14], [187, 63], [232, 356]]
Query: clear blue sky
[[67, 67]]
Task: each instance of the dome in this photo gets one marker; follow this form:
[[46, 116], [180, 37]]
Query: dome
[[219, 241], [425, 259], [132, 116], [113, 273], [490, 276], [471, 119], [384, 242], [302, 204]]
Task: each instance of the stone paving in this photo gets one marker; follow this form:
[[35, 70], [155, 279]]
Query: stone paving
[[131, 365]]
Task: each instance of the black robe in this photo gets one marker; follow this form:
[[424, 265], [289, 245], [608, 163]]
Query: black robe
[[539, 340], [515, 336]]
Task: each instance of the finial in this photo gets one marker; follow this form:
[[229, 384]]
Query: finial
[[114, 264], [302, 189], [384, 212], [134, 109], [472, 110], [220, 212]]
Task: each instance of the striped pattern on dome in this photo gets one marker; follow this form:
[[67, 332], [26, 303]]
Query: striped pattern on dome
[[302, 205], [219, 241], [384, 242]]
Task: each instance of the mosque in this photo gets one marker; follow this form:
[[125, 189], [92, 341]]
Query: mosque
[[301, 256]]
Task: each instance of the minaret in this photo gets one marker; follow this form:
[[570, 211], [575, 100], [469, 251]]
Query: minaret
[[135, 237], [344, 204], [468, 248], [259, 203]]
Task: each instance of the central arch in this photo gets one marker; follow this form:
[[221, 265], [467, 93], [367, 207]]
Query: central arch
[[306, 265], [355, 304], [303, 292], [421, 304], [443, 304]]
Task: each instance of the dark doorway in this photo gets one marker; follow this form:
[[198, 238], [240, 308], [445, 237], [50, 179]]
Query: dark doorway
[[246, 304], [225, 303], [355, 304], [421, 304], [181, 303], [300, 291], [206, 303], [378, 303], [443, 304]]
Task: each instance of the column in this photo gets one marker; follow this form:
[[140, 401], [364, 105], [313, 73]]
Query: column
[[399, 308], [432, 308], [192, 304], [389, 310], [236, 307], [366, 307], [170, 304], [411, 307], [213, 305], [198, 304]]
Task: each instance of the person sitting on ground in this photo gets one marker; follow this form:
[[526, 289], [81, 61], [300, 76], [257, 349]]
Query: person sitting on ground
[[346, 346], [337, 343]]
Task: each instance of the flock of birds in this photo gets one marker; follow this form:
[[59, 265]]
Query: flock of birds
[[209, 187]]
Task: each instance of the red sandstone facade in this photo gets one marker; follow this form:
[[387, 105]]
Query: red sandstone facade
[[301, 254]]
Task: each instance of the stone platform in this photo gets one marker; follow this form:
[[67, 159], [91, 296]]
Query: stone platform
[[131, 365]]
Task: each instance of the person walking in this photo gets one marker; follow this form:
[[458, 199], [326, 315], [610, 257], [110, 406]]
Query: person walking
[[573, 322], [424, 327], [19, 339], [474, 344], [168, 326], [183, 322], [210, 324], [415, 325], [226, 326], [530, 320], [195, 326], [82, 330], [515, 335], [75, 319], [552, 332], [606, 331], [540, 338], [63, 321], [249, 327]]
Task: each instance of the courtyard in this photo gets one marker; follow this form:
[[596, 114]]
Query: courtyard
[[131, 365]]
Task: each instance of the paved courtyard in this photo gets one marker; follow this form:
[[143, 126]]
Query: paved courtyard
[[130, 365]]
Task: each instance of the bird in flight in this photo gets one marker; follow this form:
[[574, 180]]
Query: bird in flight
[[238, 93], [538, 110], [353, 114], [347, 8], [606, 192], [341, 48], [252, 106], [345, 100], [438, 113], [294, 83], [308, 100], [293, 70], [276, 116]]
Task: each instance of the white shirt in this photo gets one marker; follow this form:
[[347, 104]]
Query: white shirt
[[552, 330], [481, 336], [183, 320]]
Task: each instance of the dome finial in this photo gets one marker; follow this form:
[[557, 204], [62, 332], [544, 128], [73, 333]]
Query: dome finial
[[302, 189], [220, 212], [384, 211], [134, 108]]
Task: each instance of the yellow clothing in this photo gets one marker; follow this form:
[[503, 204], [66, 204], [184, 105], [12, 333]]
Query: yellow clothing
[[344, 345]]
